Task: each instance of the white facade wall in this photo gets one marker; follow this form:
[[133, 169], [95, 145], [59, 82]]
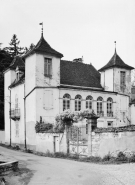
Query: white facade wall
[[107, 79], [117, 80], [18, 92], [48, 114], [41, 79], [9, 77], [132, 111]]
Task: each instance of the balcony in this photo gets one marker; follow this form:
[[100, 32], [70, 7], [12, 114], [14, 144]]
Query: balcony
[[100, 114], [109, 114], [15, 114]]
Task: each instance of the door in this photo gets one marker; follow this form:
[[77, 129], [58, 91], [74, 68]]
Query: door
[[56, 144]]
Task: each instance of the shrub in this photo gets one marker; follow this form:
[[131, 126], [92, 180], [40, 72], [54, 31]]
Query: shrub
[[121, 157], [132, 158], [60, 155], [94, 159], [42, 127], [107, 157]]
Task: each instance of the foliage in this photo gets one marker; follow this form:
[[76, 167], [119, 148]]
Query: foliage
[[42, 127], [129, 128], [67, 117], [5, 61], [121, 157], [14, 49]]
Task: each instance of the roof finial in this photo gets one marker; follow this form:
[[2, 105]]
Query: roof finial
[[115, 46], [41, 29]]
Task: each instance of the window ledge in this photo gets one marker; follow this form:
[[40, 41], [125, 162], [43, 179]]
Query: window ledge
[[49, 76]]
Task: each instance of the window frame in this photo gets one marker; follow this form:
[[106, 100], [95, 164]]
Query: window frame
[[99, 105], [89, 100], [66, 101], [48, 67], [78, 102], [109, 107]]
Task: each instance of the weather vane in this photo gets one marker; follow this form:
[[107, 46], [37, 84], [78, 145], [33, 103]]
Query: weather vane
[[115, 46], [41, 28]]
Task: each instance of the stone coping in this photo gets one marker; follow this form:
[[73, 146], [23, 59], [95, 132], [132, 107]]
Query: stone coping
[[8, 166]]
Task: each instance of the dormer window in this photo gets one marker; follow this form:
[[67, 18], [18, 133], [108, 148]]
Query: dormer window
[[18, 73], [48, 67]]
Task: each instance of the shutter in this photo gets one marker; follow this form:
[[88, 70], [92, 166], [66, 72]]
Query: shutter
[[48, 99]]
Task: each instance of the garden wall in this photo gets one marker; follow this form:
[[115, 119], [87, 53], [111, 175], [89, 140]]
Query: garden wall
[[52, 142], [111, 142], [2, 136]]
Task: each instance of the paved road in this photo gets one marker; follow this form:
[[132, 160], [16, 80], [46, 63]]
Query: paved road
[[51, 171]]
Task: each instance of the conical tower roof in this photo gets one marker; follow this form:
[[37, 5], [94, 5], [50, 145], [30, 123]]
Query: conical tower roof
[[43, 47], [116, 61]]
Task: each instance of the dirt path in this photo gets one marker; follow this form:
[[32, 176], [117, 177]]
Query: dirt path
[[36, 170]]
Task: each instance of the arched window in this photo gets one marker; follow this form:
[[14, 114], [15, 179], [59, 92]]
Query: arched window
[[78, 102], [16, 102], [109, 107], [66, 101], [100, 106], [89, 102]]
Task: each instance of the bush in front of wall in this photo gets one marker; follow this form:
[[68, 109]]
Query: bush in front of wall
[[121, 157], [42, 127]]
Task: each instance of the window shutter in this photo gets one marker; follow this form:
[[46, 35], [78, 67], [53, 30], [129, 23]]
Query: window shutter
[[48, 99]]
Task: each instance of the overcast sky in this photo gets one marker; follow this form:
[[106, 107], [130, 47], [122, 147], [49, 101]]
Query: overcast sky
[[75, 28]]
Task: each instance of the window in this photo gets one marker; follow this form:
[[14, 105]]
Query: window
[[87, 128], [109, 107], [66, 101], [78, 102], [48, 67], [48, 99], [16, 102], [89, 102], [122, 80], [100, 105]]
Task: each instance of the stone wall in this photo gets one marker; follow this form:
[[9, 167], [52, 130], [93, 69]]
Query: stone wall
[[111, 142]]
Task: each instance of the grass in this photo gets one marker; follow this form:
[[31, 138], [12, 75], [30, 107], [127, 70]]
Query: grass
[[107, 159]]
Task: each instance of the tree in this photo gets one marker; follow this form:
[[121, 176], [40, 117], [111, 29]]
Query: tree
[[14, 49], [5, 61]]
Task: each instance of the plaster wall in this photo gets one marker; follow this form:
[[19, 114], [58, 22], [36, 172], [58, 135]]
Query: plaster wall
[[31, 119], [107, 79], [132, 110], [18, 92], [45, 142], [30, 73], [117, 81], [2, 136], [41, 79], [9, 77], [48, 114], [104, 143]]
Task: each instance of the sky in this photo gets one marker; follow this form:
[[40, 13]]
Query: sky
[[74, 28]]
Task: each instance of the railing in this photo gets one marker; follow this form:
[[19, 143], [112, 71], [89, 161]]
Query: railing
[[109, 114], [123, 88], [100, 114], [15, 114]]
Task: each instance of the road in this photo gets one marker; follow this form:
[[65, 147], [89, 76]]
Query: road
[[54, 171]]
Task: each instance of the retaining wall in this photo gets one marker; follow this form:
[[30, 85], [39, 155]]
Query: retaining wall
[[110, 142]]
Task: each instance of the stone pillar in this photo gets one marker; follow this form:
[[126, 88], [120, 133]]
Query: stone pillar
[[89, 137]]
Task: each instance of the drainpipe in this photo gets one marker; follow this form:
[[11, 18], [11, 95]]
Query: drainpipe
[[25, 143], [10, 113]]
